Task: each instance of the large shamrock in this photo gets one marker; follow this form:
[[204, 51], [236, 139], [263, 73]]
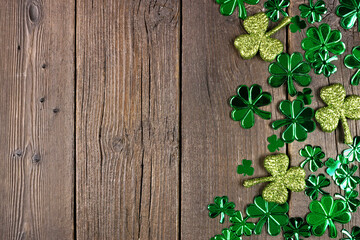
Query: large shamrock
[[296, 228], [245, 168], [315, 185], [281, 179], [313, 156], [352, 61], [289, 69], [247, 102], [227, 235], [349, 12], [221, 206], [353, 153], [338, 107], [322, 64], [298, 119], [351, 199], [333, 164], [258, 39], [344, 177], [240, 225], [227, 7], [355, 234], [322, 38], [313, 11], [325, 213], [274, 215], [275, 8]]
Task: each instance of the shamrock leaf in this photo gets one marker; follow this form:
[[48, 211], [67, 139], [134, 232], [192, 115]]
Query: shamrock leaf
[[240, 226], [247, 102], [333, 164], [353, 153], [348, 11], [258, 39], [227, 235], [296, 227], [352, 61], [227, 7], [338, 107], [314, 186], [245, 168], [221, 206], [297, 24], [281, 179], [322, 64], [344, 178], [355, 234], [275, 8], [275, 143], [305, 96], [289, 69], [351, 199], [325, 213], [313, 156], [322, 38], [298, 119], [313, 11], [274, 215]]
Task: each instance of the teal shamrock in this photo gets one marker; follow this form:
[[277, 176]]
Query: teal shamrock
[[297, 24], [227, 7], [221, 206], [306, 96], [353, 153], [275, 143], [240, 225], [245, 168], [333, 164]]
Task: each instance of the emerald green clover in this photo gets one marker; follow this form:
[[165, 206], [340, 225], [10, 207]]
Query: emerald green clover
[[289, 69], [313, 11], [353, 153], [344, 178], [322, 64], [297, 24], [221, 206], [315, 185], [306, 96], [296, 227], [333, 164], [355, 234], [240, 225], [245, 168], [352, 61], [227, 7], [275, 143], [247, 103], [313, 156], [226, 234], [349, 12], [351, 199], [275, 8]]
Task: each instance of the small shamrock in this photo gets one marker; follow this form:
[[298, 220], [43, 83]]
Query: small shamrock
[[247, 103], [351, 199], [289, 69], [240, 225], [227, 235], [297, 24], [353, 153], [339, 107], [274, 215], [258, 39], [227, 7], [275, 8], [352, 61], [245, 168], [281, 179], [313, 156], [355, 234], [298, 121], [323, 214], [322, 64], [221, 206], [333, 164], [348, 11], [313, 11], [322, 38], [344, 178], [305, 96], [275, 143], [315, 185], [296, 227]]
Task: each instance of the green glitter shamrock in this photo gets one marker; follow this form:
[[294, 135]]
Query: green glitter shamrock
[[322, 38], [353, 153], [352, 61], [240, 226], [333, 164], [312, 11], [227, 235], [322, 64], [296, 227], [325, 213], [344, 178], [227, 7], [351, 199], [221, 206], [275, 143], [349, 12], [289, 69], [275, 8], [305, 96], [245, 168], [355, 234], [247, 103], [314, 186], [313, 156], [297, 24], [298, 119], [274, 215]]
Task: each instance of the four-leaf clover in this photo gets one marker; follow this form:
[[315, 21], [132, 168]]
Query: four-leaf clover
[[305, 96], [333, 164], [344, 178], [245, 168], [322, 64], [275, 143], [275, 8], [227, 7], [352, 61], [355, 234], [313, 156], [221, 206], [240, 225], [351, 199], [349, 12], [296, 227], [353, 153], [313, 11], [315, 185]]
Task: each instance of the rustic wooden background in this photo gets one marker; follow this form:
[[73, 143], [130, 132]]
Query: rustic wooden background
[[115, 121]]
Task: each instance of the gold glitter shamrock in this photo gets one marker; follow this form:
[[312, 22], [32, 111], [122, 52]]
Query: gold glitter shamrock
[[281, 179]]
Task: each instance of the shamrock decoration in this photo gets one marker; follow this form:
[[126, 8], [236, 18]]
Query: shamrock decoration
[[298, 119], [353, 153], [351, 199], [305, 96], [240, 226], [313, 156], [322, 64], [325, 213], [296, 228], [315, 184], [297, 24], [275, 143], [258, 39], [333, 164], [313, 11], [352, 61], [348, 11], [355, 234], [322, 38], [275, 8], [289, 69], [227, 7], [338, 107], [227, 235], [344, 178], [281, 179], [274, 215], [245, 168], [221, 206]]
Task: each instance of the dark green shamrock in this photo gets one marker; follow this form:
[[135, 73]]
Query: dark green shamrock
[[305, 96], [322, 38], [288, 69], [245, 168], [353, 153], [275, 8], [296, 227], [315, 185], [298, 119], [355, 234], [322, 64], [240, 225], [221, 206], [274, 215], [333, 164], [313, 156], [344, 178], [227, 7], [275, 143], [351, 199], [227, 235], [297, 24], [352, 61], [349, 12], [247, 102], [312, 11], [325, 213]]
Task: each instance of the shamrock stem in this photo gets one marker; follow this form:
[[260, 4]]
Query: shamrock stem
[[252, 182], [282, 24], [347, 133]]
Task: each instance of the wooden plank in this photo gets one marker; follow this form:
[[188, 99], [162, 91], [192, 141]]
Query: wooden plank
[[127, 119], [37, 123]]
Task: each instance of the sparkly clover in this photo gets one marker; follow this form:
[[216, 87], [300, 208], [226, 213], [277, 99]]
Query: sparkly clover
[[344, 178], [353, 153], [296, 228], [275, 8], [313, 11], [355, 234], [315, 185], [227, 235], [275, 143], [306, 96], [227, 7], [240, 225], [313, 156], [221, 206], [322, 64], [348, 11], [245, 168], [351, 199], [333, 164], [297, 24]]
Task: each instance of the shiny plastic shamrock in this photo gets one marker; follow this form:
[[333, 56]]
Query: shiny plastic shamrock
[[322, 38], [355, 234], [353, 153], [351, 199], [298, 121], [258, 39], [333, 164], [349, 12], [275, 8], [297, 24], [227, 7], [227, 235], [281, 179], [296, 228], [323, 214], [247, 103], [315, 185], [240, 225], [312, 11], [288, 69], [275, 143], [322, 64], [344, 178], [313, 156], [245, 168], [274, 215], [306, 96], [339, 108], [221, 206], [352, 61]]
